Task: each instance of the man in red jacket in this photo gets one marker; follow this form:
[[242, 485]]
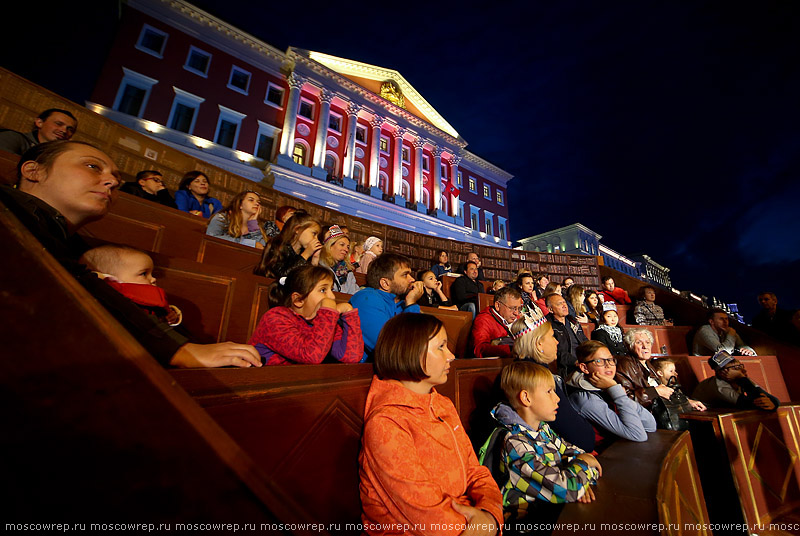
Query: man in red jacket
[[491, 335], [612, 293]]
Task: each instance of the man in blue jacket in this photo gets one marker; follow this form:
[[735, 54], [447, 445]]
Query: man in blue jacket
[[391, 290]]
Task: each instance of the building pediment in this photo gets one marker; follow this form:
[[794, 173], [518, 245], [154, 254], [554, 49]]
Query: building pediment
[[385, 83]]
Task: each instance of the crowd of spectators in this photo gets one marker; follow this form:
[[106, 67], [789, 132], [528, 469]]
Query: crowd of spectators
[[548, 424]]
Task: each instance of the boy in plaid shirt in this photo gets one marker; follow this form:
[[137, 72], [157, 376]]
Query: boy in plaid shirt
[[540, 465]]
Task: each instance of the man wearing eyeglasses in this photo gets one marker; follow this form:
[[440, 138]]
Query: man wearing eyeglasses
[[491, 330], [149, 184], [731, 388], [599, 399]]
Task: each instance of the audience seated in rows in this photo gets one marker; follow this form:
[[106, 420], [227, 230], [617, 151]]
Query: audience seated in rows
[[149, 184], [497, 284], [64, 185], [634, 372], [491, 330], [552, 288], [602, 401], [776, 322], [434, 295], [730, 387], [296, 245], [717, 335], [678, 402], [542, 468], [192, 195], [568, 333], [611, 292], [534, 340], [417, 465], [565, 285], [464, 290], [282, 215], [130, 272], [373, 248], [305, 325], [441, 264], [646, 312], [472, 257], [238, 222], [335, 250], [52, 124], [391, 290], [574, 297], [608, 331]]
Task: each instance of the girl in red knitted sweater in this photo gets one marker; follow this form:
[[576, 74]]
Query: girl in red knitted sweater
[[305, 324]]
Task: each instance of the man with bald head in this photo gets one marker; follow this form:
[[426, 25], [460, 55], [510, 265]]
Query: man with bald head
[[568, 332]]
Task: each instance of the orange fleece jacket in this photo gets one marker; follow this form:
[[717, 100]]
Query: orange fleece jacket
[[415, 457]]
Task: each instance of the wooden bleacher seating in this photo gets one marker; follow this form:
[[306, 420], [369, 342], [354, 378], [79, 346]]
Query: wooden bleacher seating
[[671, 337], [762, 369], [8, 167], [484, 301]]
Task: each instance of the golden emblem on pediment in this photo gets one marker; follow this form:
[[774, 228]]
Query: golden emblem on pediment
[[390, 91]]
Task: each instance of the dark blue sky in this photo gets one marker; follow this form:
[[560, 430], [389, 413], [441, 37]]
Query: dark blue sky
[[670, 128]]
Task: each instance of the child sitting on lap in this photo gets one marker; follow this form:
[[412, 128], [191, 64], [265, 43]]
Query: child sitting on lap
[[540, 465], [305, 324], [130, 272]]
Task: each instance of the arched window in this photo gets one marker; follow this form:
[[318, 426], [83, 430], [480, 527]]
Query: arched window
[[444, 205], [330, 163], [300, 153], [426, 198], [358, 172], [383, 181], [405, 190]]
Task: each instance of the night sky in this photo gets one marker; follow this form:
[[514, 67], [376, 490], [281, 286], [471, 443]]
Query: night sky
[[670, 128]]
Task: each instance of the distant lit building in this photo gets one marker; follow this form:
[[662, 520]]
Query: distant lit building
[[651, 271], [333, 131]]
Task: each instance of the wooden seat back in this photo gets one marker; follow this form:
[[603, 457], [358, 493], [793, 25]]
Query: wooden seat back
[[458, 325], [763, 370]]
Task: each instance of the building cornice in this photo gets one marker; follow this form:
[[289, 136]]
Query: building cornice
[[560, 230], [498, 175]]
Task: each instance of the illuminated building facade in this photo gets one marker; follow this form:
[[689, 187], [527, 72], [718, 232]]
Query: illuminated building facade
[[330, 130]]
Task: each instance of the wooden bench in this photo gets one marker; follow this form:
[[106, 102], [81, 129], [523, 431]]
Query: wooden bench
[[671, 337], [762, 369], [750, 460], [8, 167]]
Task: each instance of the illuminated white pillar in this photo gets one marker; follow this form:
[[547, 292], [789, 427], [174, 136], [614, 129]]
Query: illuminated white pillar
[[290, 118], [398, 160], [437, 177], [374, 150], [352, 120], [325, 98], [419, 144], [453, 201]]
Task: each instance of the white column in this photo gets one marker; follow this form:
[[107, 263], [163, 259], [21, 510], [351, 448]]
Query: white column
[[453, 201], [374, 152], [419, 143], [290, 118], [325, 98], [352, 120], [437, 177], [398, 160]]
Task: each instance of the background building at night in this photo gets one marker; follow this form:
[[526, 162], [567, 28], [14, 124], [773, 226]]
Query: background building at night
[[332, 131]]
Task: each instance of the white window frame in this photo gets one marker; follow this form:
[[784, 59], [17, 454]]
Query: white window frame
[[426, 163], [487, 191], [426, 198], [187, 99], [358, 165], [472, 184], [459, 180], [337, 116], [137, 80], [488, 217], [499, 197], [405, 154], [385, 177], [271, 85], [306, 146], [313, 109], [265, 129], [388, 144], [139, 46], [405, 184], [335, 162], [502, 228], [366, 134], [232, 116], [246, 90], [186, 66], [473, 210]]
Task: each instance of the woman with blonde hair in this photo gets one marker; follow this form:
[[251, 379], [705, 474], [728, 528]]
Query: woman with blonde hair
[[535, 341], [334, 256], [575, 298], [238, 222]]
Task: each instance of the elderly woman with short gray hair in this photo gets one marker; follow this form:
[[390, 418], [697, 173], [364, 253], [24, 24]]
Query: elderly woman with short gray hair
[[634, 372]]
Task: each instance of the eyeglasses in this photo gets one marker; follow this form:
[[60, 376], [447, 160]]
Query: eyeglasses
[[600, 362], [734, 367], [512, 309], [155, 179]]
